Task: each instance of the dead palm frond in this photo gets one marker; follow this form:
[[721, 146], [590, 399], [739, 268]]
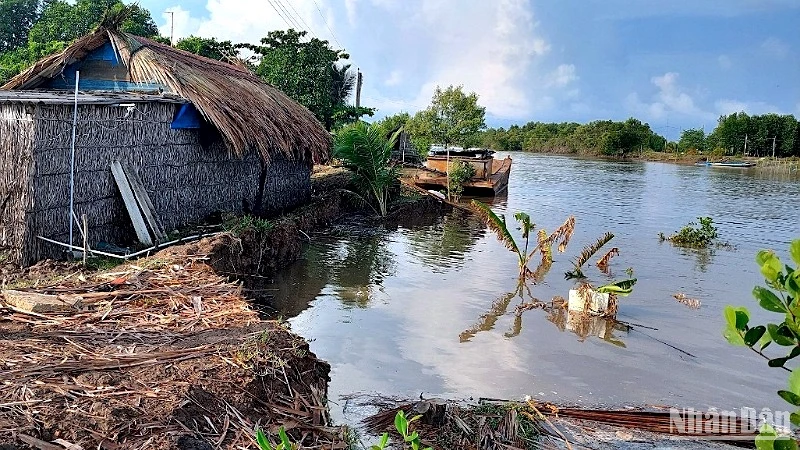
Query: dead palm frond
[[562, 233], [602, 263], [586, 254]]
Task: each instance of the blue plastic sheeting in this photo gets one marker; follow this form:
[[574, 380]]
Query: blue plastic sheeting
[[187, 117], [100, 70]]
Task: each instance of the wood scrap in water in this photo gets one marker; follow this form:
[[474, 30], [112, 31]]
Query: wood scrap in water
[[692, 303]]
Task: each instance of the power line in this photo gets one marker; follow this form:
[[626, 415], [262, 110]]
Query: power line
[[298, 16], [285, 20], [325, 21]]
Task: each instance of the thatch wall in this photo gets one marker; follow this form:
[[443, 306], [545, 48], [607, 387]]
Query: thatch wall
[[187, 176], [16, 187]]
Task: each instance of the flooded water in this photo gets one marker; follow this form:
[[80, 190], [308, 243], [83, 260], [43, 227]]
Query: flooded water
[[429, 308]]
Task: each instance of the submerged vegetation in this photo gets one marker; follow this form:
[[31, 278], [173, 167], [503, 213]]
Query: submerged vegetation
[[364, 149], [782, 296], [694, 236], [586, 301]]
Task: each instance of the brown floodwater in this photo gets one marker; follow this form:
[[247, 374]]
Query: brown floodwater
[[430, 308]]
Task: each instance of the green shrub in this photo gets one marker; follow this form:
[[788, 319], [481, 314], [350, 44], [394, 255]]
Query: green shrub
[[460, 173], [693, 236]]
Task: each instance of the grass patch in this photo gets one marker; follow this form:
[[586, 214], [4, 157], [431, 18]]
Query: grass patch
[[242, 224]]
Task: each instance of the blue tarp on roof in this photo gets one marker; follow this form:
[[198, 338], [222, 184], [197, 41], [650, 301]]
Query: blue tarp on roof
[[187, 117]]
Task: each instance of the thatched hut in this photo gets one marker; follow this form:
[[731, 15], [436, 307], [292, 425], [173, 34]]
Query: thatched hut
[[204, 136]]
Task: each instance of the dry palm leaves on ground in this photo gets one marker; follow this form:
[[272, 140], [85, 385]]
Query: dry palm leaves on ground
[[163, 353]]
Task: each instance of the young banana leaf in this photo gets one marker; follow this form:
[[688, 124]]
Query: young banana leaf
[[621, 288]]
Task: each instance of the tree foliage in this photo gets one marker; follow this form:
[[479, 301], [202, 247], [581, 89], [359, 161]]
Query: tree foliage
[[598, 137], [692, 138], [309, 72], [453, 118], [16, 19], [732, 130], [208, 47]]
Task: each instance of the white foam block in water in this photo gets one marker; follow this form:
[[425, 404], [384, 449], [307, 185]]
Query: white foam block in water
[[598, 304]]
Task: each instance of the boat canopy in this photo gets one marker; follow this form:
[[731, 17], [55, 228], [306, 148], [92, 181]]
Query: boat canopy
[[460, 152]]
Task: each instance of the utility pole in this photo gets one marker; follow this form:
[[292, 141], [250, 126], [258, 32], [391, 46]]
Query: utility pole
[[171, 27], [359, 82]]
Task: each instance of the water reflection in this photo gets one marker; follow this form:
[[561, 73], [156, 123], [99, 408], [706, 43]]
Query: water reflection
[[442, 246], [582, 324], [353, 267]]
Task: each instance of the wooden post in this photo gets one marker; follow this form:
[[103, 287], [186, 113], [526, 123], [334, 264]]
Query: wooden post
[[359, 82], [85, 237]]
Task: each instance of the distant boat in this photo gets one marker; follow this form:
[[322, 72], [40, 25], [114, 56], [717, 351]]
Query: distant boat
[[732, 164]]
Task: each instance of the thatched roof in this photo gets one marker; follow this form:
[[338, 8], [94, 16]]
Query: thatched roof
[[248, 112]]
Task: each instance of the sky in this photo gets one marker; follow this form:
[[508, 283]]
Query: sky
[[675, 64]]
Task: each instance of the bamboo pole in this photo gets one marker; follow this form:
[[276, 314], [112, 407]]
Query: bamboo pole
[[72, 159]]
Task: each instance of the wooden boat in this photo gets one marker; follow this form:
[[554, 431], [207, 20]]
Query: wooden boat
[[733, 164], [491, 175]]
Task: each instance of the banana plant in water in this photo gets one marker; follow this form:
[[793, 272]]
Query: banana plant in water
[[365, 150], [498, 224]]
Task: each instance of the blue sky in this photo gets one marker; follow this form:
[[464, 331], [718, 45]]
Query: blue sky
[[674, 64]]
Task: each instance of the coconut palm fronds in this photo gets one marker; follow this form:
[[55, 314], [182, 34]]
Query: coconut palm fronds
[[586, 254], [365, 150]]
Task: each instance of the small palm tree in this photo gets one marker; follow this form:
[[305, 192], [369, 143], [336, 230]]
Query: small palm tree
[[364, 149]]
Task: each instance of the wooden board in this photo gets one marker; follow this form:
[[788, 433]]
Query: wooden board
[[130, 204], [145, 204], [42, 303]]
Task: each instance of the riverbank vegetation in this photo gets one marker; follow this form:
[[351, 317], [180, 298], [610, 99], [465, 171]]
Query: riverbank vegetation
[[734, 134]]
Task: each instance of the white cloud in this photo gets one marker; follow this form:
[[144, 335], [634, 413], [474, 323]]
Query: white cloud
[[775, 48], [184, 23], [724, 61], [562, 76], [350, 7], [670, 99], [727, 106], [395, 78], [491, 49], [251, 20]]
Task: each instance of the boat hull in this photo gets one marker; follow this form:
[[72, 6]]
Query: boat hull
[[493, 184]]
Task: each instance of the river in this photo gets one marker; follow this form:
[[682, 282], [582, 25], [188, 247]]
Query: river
[[408, 309]]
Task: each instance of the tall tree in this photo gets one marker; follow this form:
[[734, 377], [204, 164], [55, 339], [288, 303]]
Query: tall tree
[[308, 72], [16, 19], [692, 138], [452, 118]]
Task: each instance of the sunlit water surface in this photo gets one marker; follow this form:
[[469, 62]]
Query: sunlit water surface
[[408, 310]]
